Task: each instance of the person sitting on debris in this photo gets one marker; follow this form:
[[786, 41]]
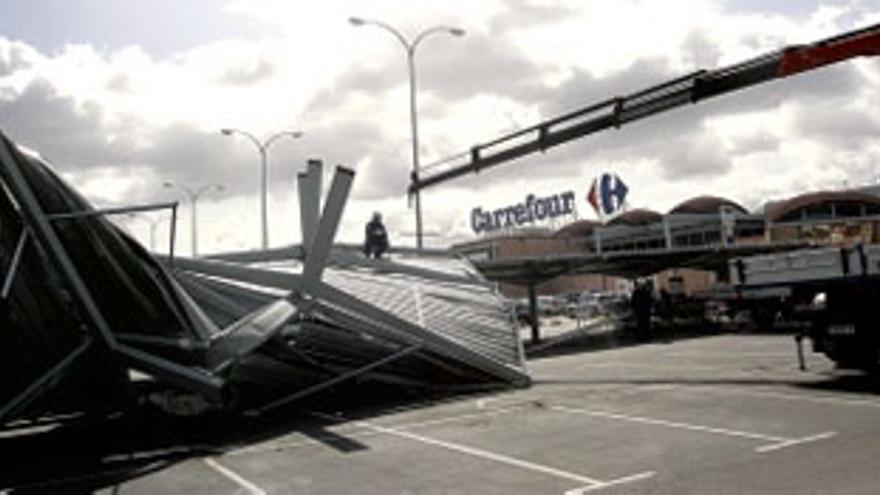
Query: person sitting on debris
[[376, 241]]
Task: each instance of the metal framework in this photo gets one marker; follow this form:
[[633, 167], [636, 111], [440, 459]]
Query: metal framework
[[202, 326]]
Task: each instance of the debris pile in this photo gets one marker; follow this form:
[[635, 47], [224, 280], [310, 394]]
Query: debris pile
[[92, 322]]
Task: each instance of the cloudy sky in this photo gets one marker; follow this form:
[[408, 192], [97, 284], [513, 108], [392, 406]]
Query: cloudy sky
[[122, 96]]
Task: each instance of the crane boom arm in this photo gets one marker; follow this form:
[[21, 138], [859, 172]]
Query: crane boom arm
[[691, 88]]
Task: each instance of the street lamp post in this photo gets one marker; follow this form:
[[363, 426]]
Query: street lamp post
[[263, 148], [153, 223], [410, 48], [194, 195]]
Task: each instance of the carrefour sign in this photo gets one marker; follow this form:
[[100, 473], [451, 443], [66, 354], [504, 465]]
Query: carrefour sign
[[531, 210]]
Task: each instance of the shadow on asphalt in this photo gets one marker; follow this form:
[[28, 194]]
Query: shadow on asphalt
[[85, 456], [847, 382]]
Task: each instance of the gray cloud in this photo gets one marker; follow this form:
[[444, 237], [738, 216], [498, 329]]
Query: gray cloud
[[347, 142], [449, 68], [679, 140], [75, 140], [524, 13], [836, 125], [13, 56], [120, 83], [694, 157], [756, 143], [246, 75], [700, 51], [464, 67], [61, 131]]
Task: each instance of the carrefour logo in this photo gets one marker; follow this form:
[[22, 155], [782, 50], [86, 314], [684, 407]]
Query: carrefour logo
[[531, 210], [607, 195]]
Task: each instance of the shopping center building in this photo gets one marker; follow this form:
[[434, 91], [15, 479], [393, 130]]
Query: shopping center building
[[821, 218]]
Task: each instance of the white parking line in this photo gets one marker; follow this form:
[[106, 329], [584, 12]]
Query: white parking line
[[716, 354], [651, 367], [777, 442], [485, 454], [606, 484], [450, 419], [789, 397], [321, 440], [796, 441], [672, 424], [591, 483], [235, 477]]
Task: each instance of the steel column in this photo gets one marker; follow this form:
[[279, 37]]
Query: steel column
[[13, 265], [316, 257], [310, 201]]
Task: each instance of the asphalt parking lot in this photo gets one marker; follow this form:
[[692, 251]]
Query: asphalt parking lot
[[720, 414]]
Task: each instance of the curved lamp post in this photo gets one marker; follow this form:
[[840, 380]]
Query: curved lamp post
[[154, 224], [410, 47], [193, 195], [263, 148]]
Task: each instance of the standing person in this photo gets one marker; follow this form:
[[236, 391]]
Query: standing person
[[376, 237], [642, 301]]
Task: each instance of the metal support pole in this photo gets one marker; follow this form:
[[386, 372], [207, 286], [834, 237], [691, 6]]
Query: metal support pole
[[153, 226], [13, 266], [264, 191], [414, 126], [194, 232], [310, 202], [533, 313], [173, 235], [410, 48], [316, 257], [263, 148], [667, 232], [41, 228], [48, 239], [110, 211]]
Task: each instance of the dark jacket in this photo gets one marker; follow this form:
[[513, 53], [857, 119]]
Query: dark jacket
[[376, 235]]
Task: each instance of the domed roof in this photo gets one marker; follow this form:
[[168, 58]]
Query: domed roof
[[706, 204], [580, 228], [639, 216], [777, 211]]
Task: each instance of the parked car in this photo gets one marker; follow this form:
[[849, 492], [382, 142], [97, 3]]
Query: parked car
[[586, 306], [550, 306]]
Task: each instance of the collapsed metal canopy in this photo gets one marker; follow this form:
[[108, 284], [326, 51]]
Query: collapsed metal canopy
[[83, 304]]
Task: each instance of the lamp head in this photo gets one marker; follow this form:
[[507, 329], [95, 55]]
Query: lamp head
[[356, 21], [226, 131], [456, 31]]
